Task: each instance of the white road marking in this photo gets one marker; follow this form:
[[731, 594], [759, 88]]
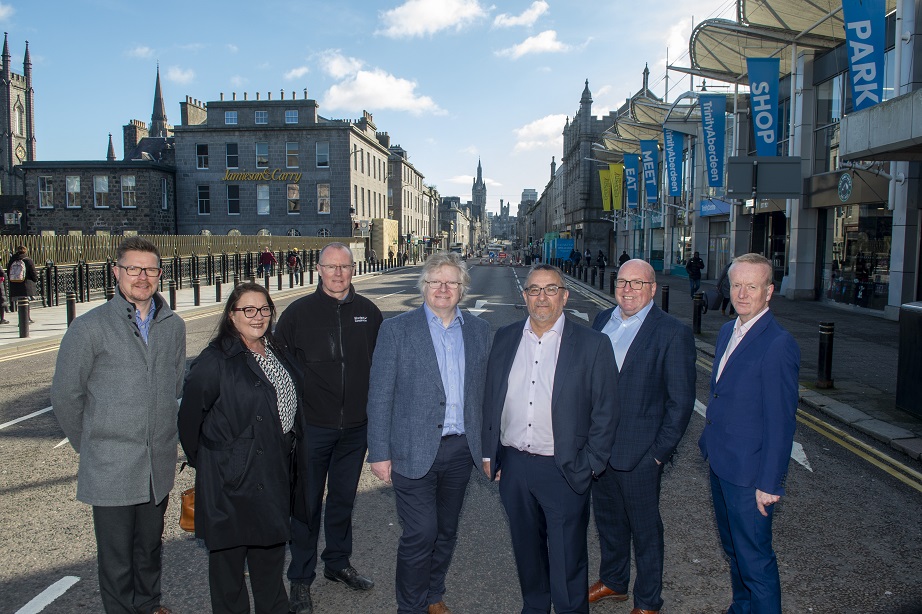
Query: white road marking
[[392, 294], [63, 441], [579, 314], [44, 599], [18, 420]]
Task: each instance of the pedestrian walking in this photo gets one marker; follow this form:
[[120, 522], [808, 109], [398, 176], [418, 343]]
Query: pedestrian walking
[[3, 319], [623, 258], [22, 277], [693, 267], [267, 261], [723, 290]]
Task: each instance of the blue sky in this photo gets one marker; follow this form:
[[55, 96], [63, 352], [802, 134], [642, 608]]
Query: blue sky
[[450, 80]]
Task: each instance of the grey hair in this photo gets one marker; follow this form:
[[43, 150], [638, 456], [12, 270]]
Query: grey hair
[[336, 245], [757, 259], [543, 266], [437, 261]]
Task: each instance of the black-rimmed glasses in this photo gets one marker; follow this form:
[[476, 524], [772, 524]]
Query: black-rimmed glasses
[[135, 271], [250, 312], [636, 284], [550, 290], [329, 268], [435, 285]]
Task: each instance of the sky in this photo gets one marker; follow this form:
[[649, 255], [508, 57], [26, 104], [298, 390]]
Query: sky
[[451, 81]]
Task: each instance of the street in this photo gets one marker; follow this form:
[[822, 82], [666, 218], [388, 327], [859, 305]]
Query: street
[[848, 535]]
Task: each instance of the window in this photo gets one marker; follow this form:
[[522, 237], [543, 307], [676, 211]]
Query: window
[[45, 192], [262, 199], [291, 154], [230, 118], [293, 232], [233, 232], [204, 200], [324, 232], [201, 156], [323, 198], [262, 155], [323, 155], [291, 116], [129, 193], [294, 198], [101, 192], [72, 184], [262, 117], [164, 195], [231, 155], [263, 232], [233, 200]]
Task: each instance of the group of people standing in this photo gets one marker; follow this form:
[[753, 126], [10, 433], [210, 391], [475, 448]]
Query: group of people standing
[[562, 415]]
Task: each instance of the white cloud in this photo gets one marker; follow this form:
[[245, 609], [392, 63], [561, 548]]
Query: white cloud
[[377, 89], [232, 48], [543, 133], [192, 47], [527, 18], [6, 11], [427, 17], [296, 73], [239, 81], [141, 52], [180, 75], [546, 42], [461, 180], [471, 150], [337, 65]]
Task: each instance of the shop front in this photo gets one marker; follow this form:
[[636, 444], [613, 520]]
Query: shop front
[[717, 213]]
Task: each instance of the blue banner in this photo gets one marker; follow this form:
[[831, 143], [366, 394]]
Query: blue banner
[[713, 206], [631, 173], [649, 152], [714, 127], [673, 145], [865, 29], [763, 102]]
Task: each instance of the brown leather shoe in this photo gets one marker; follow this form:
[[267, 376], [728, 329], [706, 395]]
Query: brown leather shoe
[[598, 592], [439, 608], [162, 610], [639, 611]]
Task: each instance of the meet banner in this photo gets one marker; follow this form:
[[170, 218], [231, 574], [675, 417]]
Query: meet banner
[[605, 181], [674, 145], [616, 173], [649, 151], [865, 30], [763, 103], [714, 127], [631, 173]]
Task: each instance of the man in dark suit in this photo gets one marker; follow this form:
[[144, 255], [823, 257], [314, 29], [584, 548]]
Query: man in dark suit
[[655, 354], [424, 411], [748, 434], [549, 416]]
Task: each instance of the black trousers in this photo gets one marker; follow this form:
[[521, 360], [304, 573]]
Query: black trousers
[[266, 565], [336, 457], [128, 548]]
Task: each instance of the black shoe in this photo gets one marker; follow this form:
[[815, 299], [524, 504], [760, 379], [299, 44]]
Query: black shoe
[[300, 600], [4, 321], [350, 577]]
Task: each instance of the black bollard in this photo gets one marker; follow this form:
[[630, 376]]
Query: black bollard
[[611, 282], [110, 293], [280, 278], [310, 279], [697, 308], [236, 279], [291, 278], [267, 280], [664, 299], [196, 292], [594, 271], [71, 300], [217, 289], [171, 287], [602, 279], [22, 306], [824, 365], [301, 277], [585, 274]]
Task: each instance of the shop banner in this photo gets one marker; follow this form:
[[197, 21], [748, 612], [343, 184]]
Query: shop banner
[[763, 103], [649, 150], [713, 206], [674, 144], [616, 173], [605, 181], [631, 172], [714, 127], [865, 30]]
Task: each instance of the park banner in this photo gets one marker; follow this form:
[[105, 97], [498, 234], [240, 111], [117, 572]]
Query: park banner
[[605, 181], [649, 150], [616, 173], [631, 172], [763, 103], [714, 128], [674, 145], [865, 30]]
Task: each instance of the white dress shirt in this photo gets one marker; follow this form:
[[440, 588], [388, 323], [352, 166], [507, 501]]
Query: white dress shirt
[[622, 332]]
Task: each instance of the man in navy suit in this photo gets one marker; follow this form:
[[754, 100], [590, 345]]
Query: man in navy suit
[[748, 434], [655, 356], [549, 415], [424, 412]]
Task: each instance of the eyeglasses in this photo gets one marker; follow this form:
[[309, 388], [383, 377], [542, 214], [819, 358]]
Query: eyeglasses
[[435, 285], [551, 290], [329, 268], [135, 271], [250, 312], [636, 284]]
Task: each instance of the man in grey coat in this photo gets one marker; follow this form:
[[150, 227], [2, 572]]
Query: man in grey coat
[[119, 372], [424, 415]]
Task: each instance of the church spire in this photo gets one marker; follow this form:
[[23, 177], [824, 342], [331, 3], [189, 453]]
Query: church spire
[[110, 155], [158, 122], [6, 54], [479, 172], [587, 96]]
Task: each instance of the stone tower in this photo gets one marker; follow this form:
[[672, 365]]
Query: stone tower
[[17, 119]]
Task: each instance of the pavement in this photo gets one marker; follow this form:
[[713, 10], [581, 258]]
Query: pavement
[[864, 363]]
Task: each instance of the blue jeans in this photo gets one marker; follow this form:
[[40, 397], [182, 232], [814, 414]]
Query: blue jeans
[[695, 285]]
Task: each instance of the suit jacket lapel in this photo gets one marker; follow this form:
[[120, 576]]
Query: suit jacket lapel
[[420, 336], [647, 329], [564, 359], [757, 329]]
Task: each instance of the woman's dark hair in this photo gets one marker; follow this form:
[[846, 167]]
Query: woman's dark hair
[[226, 329]]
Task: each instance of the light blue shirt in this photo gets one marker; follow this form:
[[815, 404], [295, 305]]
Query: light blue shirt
[[449, 351], [622, 332], [144, 325]]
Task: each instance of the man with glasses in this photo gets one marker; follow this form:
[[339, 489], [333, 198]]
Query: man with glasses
[[331, 336], [424, 410], [549, 416], [655, 356], [119, 372]]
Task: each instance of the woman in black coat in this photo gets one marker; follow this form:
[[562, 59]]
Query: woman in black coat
[[25, 287], [238, 424]]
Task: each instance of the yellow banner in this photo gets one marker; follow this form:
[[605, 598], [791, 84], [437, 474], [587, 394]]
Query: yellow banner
[[616, 175], [606, 189]]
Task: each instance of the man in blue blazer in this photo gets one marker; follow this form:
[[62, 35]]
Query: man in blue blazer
[[549, 415], [424, 416], [655, 356], [748, 434]]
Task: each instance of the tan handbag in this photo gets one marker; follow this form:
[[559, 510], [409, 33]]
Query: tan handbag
[[187, 510]]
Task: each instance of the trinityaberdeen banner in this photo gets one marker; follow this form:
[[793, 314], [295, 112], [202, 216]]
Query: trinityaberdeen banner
[[605, 181], [763, 102], [649, 150], [631, 172], [714, 126], [865, 29], [616, 172], [673, 144]]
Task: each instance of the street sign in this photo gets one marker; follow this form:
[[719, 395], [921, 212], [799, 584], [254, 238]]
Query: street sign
[[502, 255]]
